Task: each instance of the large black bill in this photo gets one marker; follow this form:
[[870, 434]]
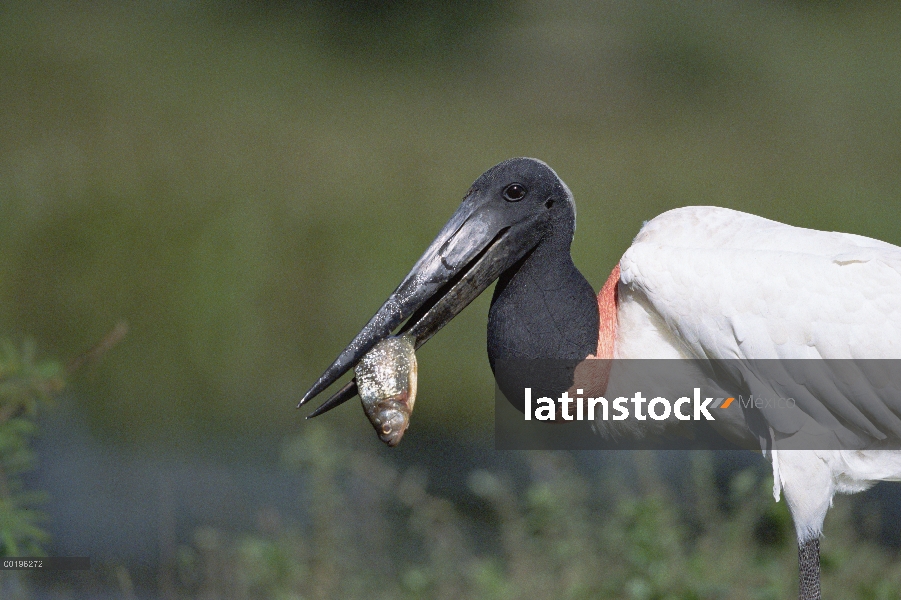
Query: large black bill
[[470, 252]]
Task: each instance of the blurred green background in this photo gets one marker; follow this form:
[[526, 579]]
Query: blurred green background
[[246, 182]]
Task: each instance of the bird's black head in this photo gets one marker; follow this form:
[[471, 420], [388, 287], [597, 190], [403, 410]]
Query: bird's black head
[[513, 209], [525, 191]]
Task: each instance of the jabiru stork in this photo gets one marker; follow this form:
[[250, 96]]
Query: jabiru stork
[[697, 282]]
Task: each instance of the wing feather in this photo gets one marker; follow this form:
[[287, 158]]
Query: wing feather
[[725, 284]]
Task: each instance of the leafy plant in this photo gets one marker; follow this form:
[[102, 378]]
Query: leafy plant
[[26, 385]]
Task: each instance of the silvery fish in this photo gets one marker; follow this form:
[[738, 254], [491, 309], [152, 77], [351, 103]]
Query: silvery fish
[[386, 381]]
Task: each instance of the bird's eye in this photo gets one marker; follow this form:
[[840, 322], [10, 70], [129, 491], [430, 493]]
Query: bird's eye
[[515, 192]]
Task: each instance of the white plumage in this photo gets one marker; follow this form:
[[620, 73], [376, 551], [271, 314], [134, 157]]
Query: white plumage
[[706, 282]]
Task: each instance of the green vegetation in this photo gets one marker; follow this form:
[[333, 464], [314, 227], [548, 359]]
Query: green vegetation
[[377, 532], [26, 385]]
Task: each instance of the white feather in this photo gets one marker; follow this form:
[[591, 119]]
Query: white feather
[[706, 282]]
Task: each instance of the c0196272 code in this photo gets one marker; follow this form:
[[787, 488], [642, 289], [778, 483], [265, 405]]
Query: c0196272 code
[[50, 563]]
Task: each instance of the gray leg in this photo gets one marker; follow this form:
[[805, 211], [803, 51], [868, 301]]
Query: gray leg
[[809, 565]]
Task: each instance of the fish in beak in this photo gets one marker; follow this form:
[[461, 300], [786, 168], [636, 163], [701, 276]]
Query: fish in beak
[[498, 224], [386, 381]]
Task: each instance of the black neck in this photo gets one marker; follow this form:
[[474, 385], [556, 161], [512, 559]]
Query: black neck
[[543, 307]]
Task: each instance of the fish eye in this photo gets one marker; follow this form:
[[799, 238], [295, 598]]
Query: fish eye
[[515, 192]]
